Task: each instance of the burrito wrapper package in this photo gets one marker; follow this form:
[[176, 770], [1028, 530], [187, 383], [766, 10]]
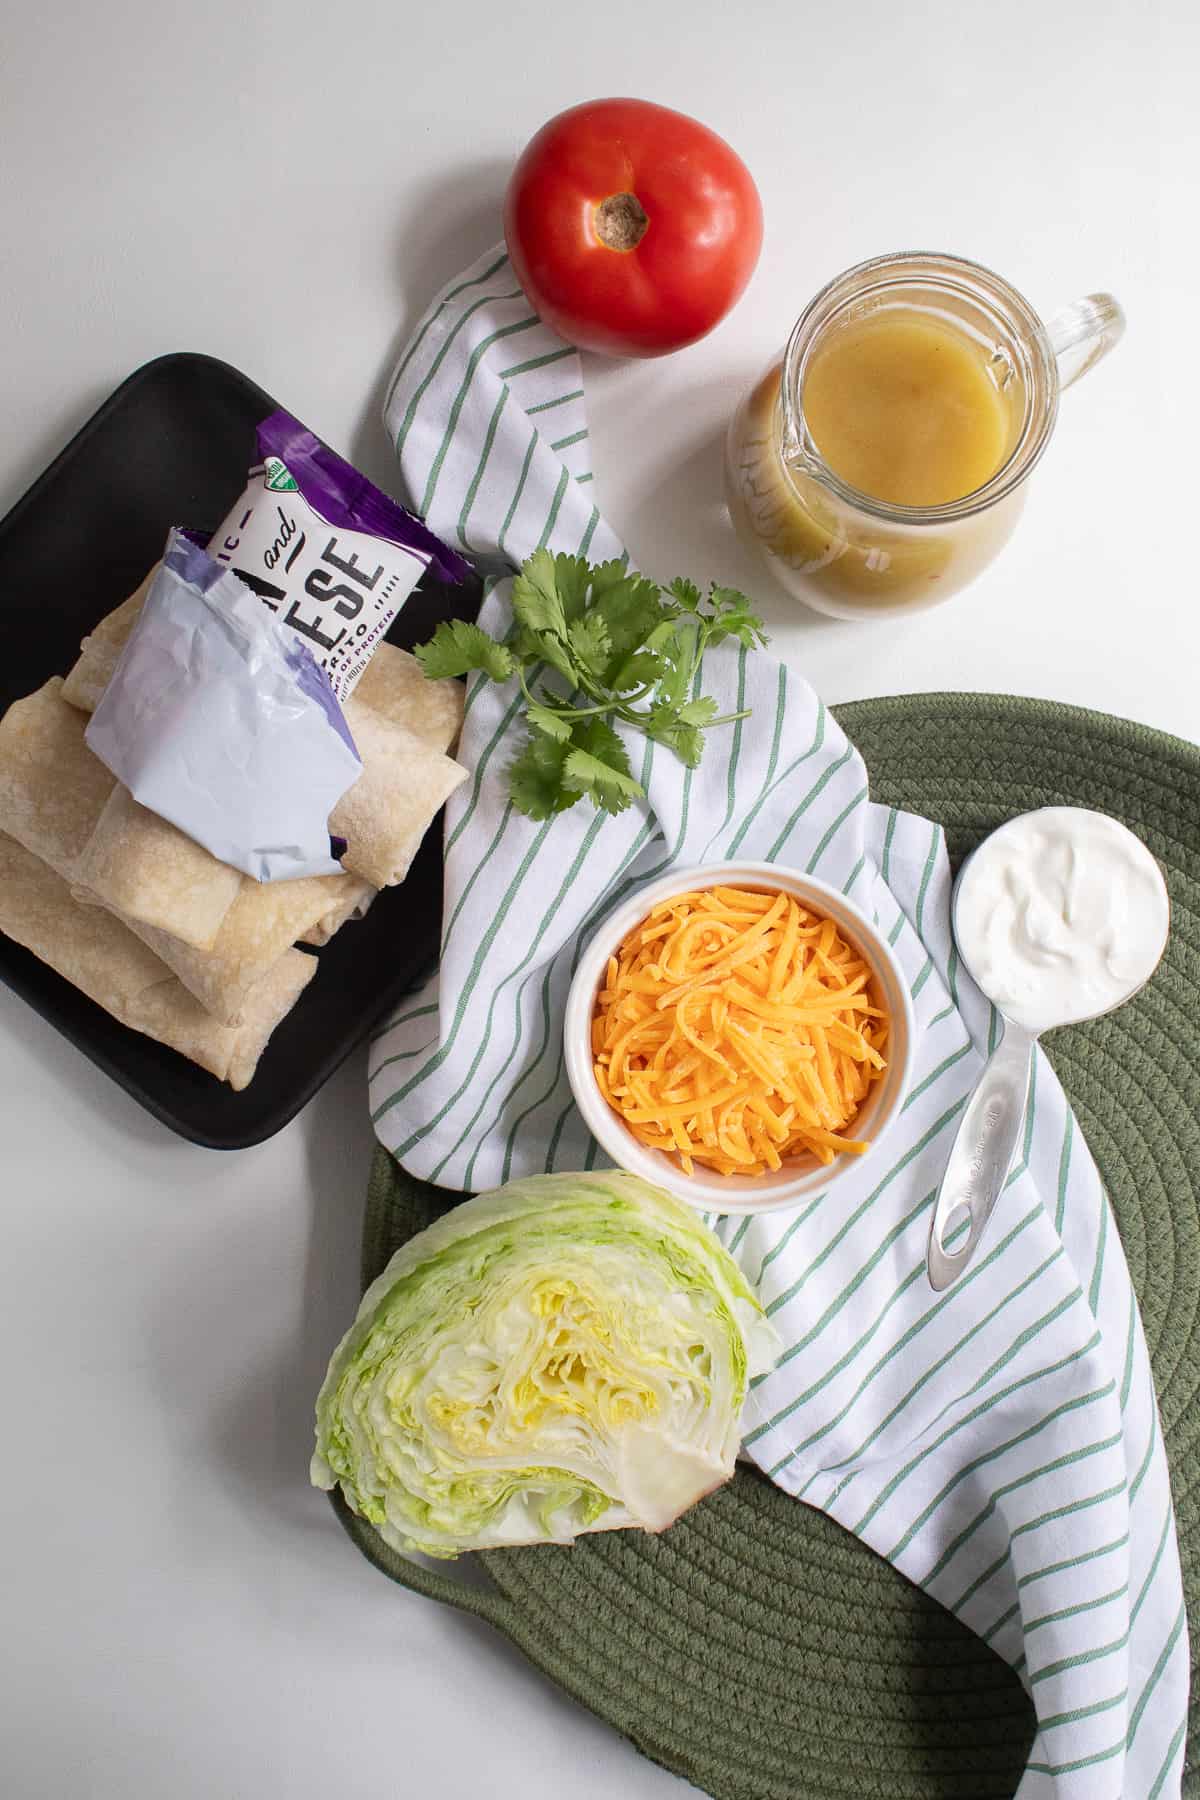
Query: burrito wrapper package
[[332, 557], [220, 722], [100, 956], [53, 795], [393, 683]]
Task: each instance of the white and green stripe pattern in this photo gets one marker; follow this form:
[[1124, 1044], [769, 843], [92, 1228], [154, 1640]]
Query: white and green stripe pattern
[[999, 1443]]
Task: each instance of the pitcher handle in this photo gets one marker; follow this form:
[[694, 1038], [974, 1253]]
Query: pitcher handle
[[1084, 332]]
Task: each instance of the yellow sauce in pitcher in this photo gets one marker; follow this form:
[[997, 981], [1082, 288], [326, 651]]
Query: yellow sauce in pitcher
[[905, 408]]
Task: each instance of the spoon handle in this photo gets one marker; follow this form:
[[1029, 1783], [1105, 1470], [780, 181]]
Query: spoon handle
[[983, 1150]]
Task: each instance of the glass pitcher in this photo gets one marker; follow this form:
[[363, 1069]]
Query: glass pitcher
[[845, 552]]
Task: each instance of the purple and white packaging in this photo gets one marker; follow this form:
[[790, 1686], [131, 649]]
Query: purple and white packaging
[[330, 555], [218, 719]]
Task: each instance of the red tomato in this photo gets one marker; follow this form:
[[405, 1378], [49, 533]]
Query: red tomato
[[633, 229]]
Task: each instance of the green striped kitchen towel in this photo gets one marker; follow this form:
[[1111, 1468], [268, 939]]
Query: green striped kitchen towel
[[999, 1442]]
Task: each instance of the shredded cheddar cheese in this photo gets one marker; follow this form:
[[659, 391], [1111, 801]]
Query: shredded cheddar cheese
[[737, 1029]]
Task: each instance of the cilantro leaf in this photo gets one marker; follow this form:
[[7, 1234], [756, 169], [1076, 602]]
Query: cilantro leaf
[[732, 617], [607, 575], [536, 601], [612, 637], [687, 741], [610, 791], [543, 646], [664, 633], [697, 712], [590, 644], [638, 670], [742, 630], [456, 648], [727, 599], [572, 576], [598, 764], [547, 720], [630, 609], [535, 779], [597, 737], [679, 658], [686, 592]]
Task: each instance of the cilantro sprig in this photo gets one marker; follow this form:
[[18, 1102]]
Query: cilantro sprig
[[592, 645]]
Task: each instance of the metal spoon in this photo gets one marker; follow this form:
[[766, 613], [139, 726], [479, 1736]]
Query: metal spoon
[[986, 1140]]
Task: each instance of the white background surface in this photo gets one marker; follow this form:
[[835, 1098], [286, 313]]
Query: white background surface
[[285, 186]]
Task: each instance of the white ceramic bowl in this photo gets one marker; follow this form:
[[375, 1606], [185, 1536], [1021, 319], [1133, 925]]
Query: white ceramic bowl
[[802, 1176]]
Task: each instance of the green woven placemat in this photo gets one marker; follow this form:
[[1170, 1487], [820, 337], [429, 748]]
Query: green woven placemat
[[757, 1648]]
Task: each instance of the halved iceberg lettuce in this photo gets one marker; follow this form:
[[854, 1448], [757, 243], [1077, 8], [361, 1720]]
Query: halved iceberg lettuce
[[568, 1353]]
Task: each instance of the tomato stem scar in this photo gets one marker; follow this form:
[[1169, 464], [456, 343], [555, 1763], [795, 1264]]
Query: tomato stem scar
[[621, 222]]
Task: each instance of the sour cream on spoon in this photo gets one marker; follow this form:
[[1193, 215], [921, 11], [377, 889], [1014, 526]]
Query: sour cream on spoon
[[1060, 915]]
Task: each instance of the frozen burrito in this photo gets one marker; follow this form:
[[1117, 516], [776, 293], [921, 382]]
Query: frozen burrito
[[395, 687], [52, 789], [353, 902], [402, 725], [100, 956], [146, 868], [162, 932], [404, 783], [61, 802], [259, 929], [149, 871], [53, 795]]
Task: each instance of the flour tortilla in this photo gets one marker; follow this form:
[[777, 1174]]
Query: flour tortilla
[[61, 803], [52, 789], [101, 957], [259, 930], [387, 812], [393, 686], [100, 649], [145, 868], [354, 900]]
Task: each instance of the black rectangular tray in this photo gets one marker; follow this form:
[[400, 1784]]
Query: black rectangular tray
[[171, 447]]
